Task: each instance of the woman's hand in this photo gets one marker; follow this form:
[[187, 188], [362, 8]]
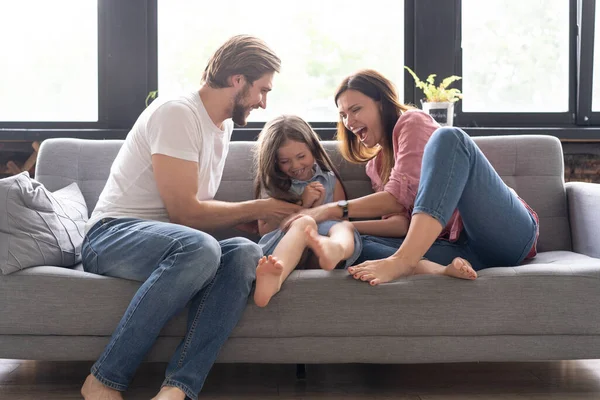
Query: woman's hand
[[313, 193], [319, 214]]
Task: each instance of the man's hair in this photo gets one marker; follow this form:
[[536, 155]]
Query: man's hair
[[241, 55]]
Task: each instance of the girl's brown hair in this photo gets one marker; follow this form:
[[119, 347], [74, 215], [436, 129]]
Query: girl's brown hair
[[374, 85], [270, 180]]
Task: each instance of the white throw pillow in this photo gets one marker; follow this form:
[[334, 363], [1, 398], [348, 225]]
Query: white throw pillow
[[38, 227]]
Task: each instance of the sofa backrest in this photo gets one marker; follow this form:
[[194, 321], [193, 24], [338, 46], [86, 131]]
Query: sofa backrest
[[532, 165]]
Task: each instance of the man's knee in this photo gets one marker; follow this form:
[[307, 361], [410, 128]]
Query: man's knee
[[197, 253], [242, 258]]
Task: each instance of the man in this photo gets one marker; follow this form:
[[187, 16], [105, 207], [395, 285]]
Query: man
[[149, 221]]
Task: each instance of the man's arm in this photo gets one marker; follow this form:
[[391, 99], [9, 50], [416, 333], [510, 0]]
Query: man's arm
[[177, 182]]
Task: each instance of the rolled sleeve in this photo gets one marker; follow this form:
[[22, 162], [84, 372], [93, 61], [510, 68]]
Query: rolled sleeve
[[411, 133]]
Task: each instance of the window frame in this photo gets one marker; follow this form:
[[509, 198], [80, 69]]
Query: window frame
[[511, 119], [128, 71]]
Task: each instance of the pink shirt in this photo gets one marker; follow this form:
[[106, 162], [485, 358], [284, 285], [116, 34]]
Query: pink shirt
[[411, 134]]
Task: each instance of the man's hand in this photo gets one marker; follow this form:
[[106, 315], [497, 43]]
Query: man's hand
[[278, 210], [314, 194]]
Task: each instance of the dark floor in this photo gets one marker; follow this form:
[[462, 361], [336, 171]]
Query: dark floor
[[564, 380]]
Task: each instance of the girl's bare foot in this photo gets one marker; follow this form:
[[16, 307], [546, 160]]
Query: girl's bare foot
[[169, 393], [268, 280], [460, 268], [327, 251], [381, 271], [93, 389]]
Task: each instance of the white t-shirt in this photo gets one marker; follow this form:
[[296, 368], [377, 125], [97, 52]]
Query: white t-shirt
[[179, 128]]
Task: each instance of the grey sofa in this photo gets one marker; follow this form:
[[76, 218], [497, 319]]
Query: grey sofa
[[546, 309]]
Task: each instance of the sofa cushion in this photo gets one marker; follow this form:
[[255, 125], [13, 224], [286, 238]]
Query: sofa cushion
[[38, 227], [557, 293], [530, 164]]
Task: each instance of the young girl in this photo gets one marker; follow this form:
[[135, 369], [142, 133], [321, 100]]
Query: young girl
[[292, 165]]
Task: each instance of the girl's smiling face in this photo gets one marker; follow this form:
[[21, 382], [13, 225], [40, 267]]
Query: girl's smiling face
[[295, 160]]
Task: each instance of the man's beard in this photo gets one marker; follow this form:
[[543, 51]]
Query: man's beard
[[239, 110]]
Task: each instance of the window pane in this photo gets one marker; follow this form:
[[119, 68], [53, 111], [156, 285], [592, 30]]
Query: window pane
[[319, 43], [49, 62], [596, 76], [515, 55]]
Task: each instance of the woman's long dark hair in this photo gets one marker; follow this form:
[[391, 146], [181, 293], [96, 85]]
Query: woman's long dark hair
[[374, 85]]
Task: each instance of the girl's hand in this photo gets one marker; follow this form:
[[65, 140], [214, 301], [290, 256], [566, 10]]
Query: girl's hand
[[313, 192]]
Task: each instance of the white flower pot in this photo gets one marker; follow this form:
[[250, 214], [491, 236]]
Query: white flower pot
[[443, 113]]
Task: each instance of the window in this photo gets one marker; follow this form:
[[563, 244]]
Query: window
[[49, 62], [319, 42], [515, 56], [596, 75]]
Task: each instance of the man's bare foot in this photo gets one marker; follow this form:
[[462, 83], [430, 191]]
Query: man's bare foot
[[93, 389], [460, 268], [381, 271], [268, 280], [169, 393], [327, 251]]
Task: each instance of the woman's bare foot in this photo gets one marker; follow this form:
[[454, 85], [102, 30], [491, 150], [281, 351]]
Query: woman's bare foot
[[93, 389], [169, 393], [327, 251], [268, 280], [460, 268], [381, 271]]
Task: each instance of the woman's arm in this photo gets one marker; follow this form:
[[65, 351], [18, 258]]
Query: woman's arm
[[371, 206], [394, 226], [338, 192]]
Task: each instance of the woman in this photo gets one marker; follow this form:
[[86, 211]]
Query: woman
[[444, 194]]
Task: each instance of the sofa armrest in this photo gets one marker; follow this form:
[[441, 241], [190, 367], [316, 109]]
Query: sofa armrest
[[584, 216]]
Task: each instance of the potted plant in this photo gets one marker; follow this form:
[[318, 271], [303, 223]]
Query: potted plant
[[439, 100], [151, 96]]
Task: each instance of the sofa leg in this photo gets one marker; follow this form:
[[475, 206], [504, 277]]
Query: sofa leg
[[301, 372]]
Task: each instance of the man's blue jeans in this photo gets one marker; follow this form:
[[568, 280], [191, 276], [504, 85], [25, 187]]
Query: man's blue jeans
[[178, 266], [498, 228]]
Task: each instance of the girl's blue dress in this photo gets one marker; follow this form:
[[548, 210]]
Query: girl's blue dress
[[269, 241]]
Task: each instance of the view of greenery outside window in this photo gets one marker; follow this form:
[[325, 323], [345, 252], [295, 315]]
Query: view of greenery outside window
[[319, 42], [596, 74], [49, 65], [515, 56]]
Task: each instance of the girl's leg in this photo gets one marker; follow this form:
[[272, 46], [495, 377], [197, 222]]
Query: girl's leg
[[274, 269], [334, 248], [456, 174]]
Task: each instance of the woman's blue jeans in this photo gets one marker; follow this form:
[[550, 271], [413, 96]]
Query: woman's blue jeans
[[498, 228], [178, 266]]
